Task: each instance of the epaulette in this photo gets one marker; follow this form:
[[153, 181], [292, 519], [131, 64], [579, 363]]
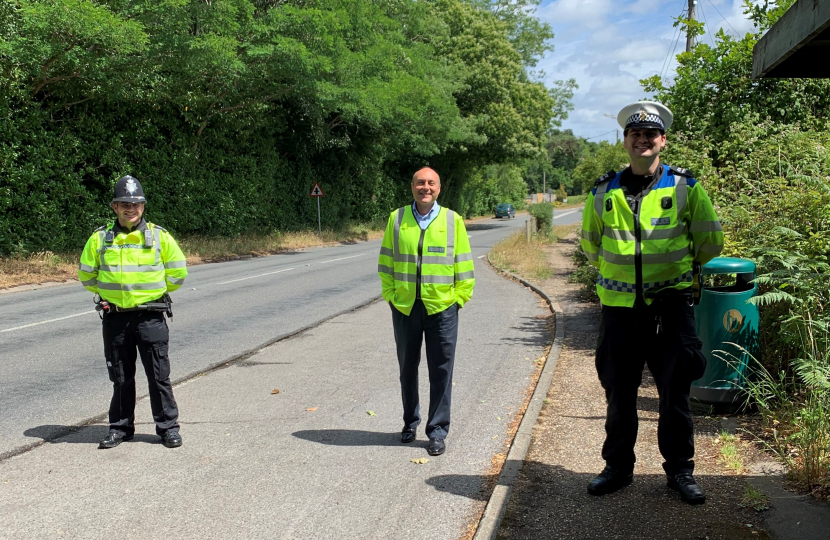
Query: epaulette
[[159, 227], [682, 172], [607, 177], [101, 228]]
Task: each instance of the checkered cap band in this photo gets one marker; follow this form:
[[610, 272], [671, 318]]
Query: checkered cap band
[[638, 118], [614, 285]]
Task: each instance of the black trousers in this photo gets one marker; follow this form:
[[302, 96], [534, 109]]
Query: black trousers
[[441, 333], [628, 339], [123, 334]]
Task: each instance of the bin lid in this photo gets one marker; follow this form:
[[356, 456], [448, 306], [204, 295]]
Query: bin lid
[[728, 265]]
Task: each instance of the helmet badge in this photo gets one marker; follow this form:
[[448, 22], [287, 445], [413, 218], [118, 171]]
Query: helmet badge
[[643, 115], [131, 186]]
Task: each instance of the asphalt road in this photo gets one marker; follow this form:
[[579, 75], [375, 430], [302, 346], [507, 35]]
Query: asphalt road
[[52, 375]]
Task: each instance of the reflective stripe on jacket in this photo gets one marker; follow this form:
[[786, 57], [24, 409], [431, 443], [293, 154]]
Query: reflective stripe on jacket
[[133, 268], [676, 226], [438, 258]]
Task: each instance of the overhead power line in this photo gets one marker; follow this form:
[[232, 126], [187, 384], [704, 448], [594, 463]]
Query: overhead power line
[[724, 18], [708, 29], [601, 134], [673, 43]]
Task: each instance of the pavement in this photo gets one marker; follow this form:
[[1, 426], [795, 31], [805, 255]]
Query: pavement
[[320, 458], [548, 498]]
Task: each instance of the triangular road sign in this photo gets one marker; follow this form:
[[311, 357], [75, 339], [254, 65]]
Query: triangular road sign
[[316, 191]]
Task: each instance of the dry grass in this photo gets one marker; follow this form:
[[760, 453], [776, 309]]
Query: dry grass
[[563, 231], [516, 255], [37, 268], [201, 249], [42, 267]]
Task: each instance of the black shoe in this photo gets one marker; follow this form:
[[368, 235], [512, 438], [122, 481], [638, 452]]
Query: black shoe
[[436, 447], [609, 481], [171, 439], [686, 485], [407, 435], [113, 439]]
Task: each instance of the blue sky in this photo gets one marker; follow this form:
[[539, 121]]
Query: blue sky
[[609, 45]]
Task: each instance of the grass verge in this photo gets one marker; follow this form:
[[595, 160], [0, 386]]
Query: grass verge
[[515, 254], [46, 266], [200, 249], [37, 268]]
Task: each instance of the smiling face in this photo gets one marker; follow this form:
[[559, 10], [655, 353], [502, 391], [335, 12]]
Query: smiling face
[[129, 214], [643, 144], [426, 185]]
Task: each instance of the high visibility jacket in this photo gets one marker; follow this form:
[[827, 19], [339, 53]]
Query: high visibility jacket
[[130, 269], [644, 253], [435, 264]]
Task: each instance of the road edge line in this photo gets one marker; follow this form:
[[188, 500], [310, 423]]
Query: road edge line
[[66, 430], [490, 522]]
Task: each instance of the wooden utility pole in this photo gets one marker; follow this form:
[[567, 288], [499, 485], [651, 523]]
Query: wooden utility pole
[[690, 38]]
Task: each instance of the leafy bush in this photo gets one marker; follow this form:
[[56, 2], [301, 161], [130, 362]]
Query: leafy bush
[[543, 212], [585, 273]]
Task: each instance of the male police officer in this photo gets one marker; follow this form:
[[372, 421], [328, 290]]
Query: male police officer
[[647, 229], [132, 265], [426, 271]]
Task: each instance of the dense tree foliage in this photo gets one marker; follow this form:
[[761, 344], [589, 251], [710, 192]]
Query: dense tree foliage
[[229, 110], [556, 169]]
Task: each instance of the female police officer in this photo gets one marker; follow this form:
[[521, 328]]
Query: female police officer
[[132, 265]]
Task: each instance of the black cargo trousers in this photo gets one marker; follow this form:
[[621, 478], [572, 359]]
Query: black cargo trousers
[[123, 334], [662, 336]]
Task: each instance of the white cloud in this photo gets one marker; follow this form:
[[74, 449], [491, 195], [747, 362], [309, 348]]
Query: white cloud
[[587, 13], [645, 6], [609, 46]]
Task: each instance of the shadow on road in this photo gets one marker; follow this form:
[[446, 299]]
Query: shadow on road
[[473, 487], [535, 331], [482, 227], [58, 434], [354, 437]]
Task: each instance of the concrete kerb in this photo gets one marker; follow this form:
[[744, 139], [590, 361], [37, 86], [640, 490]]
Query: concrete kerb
[[488, 526]]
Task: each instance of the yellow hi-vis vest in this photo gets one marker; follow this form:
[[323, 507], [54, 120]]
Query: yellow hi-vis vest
[[644, 253], [130, 269], [436, 261]]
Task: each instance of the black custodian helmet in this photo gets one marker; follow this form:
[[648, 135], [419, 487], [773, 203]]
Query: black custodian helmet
[[128, 189]]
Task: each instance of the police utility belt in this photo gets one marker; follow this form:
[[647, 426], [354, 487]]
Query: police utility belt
[[163, 305]]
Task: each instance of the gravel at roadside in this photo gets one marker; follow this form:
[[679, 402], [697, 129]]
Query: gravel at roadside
[[550, 498]]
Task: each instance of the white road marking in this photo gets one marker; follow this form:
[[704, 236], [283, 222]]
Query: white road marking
[[480, 257], [44, 322], [566, 214], [252, 277], [343, 258]]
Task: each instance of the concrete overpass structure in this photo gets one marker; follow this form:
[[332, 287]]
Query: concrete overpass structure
[[798, 45]]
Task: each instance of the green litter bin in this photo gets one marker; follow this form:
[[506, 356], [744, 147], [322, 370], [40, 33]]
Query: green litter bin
[[724, 317]]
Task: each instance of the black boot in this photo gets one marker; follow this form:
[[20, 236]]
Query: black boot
[[113, 439], [609, 481], [686, 485]]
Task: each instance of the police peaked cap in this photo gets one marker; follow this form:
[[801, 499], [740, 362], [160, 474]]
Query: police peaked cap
[[645, 115], [128, 189]]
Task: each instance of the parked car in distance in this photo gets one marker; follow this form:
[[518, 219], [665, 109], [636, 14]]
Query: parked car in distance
[[505, 210]]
